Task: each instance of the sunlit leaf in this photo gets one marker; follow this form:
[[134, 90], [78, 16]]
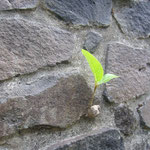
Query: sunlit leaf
[[107, 78], [95, 66]]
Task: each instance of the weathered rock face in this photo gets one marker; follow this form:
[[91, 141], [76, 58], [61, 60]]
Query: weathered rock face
[[80, 12], [145, 114], [18, 4], [125, 120], [59, 106], [134, 19], [96, 140], [141, 146], [133, 67], [92, 41], [28, 46], [44, 95]]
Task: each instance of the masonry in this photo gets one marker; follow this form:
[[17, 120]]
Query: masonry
[[46, 83]]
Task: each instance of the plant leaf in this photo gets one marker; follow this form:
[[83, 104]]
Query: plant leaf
[[107, 77], [95, 66]]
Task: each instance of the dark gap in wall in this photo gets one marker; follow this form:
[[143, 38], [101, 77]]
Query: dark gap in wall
[[148, 64], [142, 69]]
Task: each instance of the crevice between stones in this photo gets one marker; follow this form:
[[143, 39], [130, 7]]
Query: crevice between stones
[[44, 129], [45, 68], [119, 27]]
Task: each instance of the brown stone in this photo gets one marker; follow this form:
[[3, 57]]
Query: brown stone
[[27, 46], [18, 4], [133, 67], [59, 106]]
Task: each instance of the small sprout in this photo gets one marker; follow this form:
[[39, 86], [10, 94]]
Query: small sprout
[[98, 73]]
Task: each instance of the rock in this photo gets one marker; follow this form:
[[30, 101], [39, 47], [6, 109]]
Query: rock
[[141, 146], [95, 140], [18, 4], [133, 67], [134, 19], [93, 111], [59, 105], [145, 114], [125, 120], [139, 143], [27, 46], [97, 12], [92, 41]]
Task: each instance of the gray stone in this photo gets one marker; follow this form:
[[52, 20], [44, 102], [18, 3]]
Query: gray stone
[[145, 114], [15, 4], [92, 41], [97, 12], [125, 120], [134, 19], [18, 4], [141, 146], [139, 143], [133, 67], [95, 140], [27, 46], [59, 105]]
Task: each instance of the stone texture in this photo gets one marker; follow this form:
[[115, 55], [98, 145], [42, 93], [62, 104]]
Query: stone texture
[[92, 41], [18, 4], [59, 105], [125, 120], [133, 67], [27, 46], [95, 140], [97, 12], [138, 142], [134, 19], [141, 146], [145, 114]]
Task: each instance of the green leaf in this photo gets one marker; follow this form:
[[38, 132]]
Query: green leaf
[[95, 66], [107, 77]]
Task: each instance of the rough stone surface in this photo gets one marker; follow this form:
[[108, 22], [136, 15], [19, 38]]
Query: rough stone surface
[[44, 95], [145, 114], [92, 41], [125, 120], [95, 140], [18, 4], [27, 46], [140, 146], [133, 67], [59, 106], [80, 12], [134, 19]]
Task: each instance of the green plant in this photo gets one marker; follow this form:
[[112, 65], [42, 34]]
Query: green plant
[[98, 72]]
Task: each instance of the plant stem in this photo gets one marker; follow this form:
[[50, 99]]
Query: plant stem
[[92, 99]]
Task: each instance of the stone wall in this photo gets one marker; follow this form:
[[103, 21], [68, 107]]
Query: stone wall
[[46, 83]]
